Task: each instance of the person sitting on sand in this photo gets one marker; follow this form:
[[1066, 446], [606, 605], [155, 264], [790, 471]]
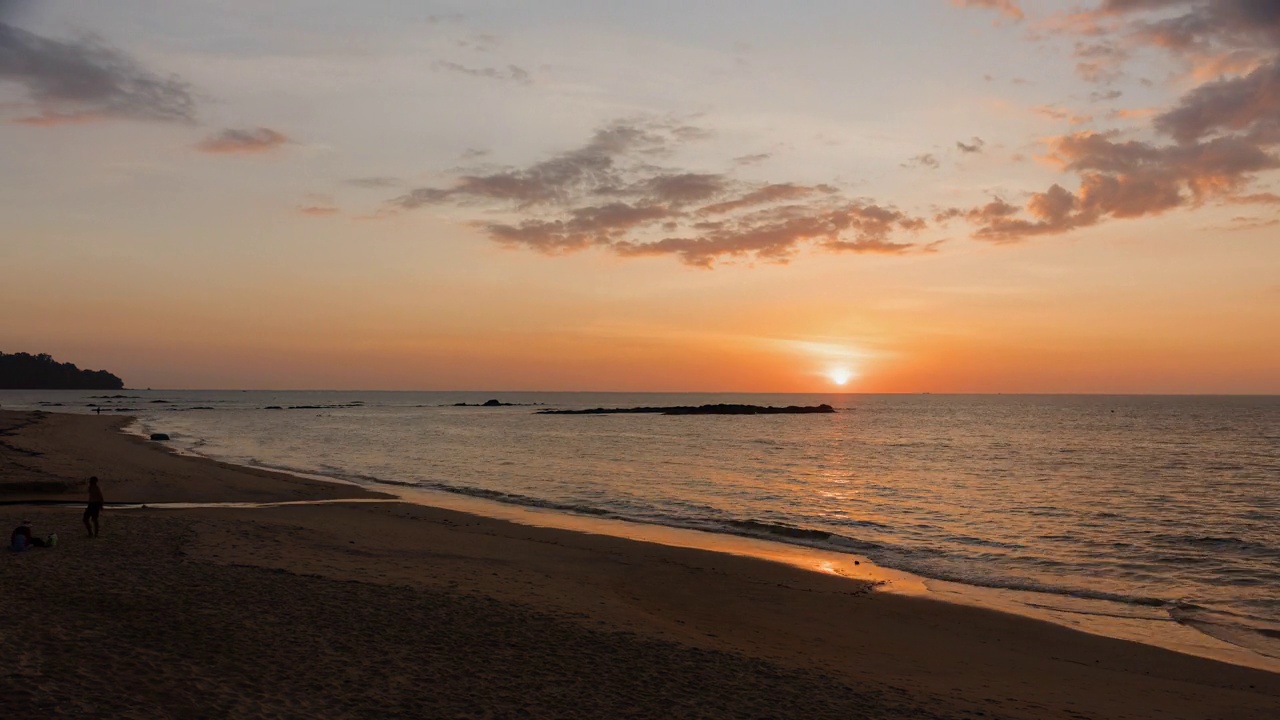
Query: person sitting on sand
[[21, 538], [94, 508]]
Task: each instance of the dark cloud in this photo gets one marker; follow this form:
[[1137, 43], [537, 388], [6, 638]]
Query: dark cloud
[[1214, 36], [592, 170], [753, 159], [974, 146], [774, 235], [609, 194], [242, 141], [512, 73], [1250, 103], [83, 80]]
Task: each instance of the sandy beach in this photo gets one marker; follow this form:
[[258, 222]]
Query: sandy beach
[[391, 609]]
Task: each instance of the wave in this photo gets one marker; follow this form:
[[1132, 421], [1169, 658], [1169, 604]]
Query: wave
[[888, 556], [1215, 542], [943, 562], [1244, 631]]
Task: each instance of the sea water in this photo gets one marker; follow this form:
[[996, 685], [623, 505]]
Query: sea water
[[1162, 507]]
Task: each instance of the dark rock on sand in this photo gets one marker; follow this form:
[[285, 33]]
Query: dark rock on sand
[[159, 436]]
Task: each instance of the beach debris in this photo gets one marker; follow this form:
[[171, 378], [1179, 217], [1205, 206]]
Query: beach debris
[[159, 436]]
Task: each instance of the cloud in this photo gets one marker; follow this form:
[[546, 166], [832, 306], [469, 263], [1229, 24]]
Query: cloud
[[1126, 179], [1056, 113], [1212, 37], [1265, 198], [608, 193], [1009, 8], [319, 210], [1212, 144], [1249, 103], [1248, 223], [242, 141], [975, 146], [775, 235], [375, 182], [928, 160], [766, 195], [84, 81], [512, 73], [753, 159]]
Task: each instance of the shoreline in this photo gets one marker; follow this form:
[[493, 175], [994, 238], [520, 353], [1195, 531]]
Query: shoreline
[[1143, 623], [945, 656]]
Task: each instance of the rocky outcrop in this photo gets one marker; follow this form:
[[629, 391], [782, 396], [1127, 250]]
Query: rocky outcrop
[[720, 409]]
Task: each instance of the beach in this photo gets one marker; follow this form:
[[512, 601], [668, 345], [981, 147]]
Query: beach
[[376, 608]]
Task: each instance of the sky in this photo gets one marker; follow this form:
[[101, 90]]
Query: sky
[[813, 196]]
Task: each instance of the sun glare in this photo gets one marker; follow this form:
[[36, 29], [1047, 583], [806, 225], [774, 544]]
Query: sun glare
[[840, 376]]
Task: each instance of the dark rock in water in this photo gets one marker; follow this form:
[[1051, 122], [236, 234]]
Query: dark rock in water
[[721, 409], [159, 436], [274, 407], [494, 403], [159, 402]]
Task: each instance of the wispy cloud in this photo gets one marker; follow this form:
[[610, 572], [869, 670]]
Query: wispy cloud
[[243, 141], [926, 160], [608, 193], [1054, 112], [1008, 8], [512, 73], [84, 80], [381, 181]]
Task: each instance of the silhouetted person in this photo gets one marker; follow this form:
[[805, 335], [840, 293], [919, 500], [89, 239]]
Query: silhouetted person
[[94, 509], [24, 531]]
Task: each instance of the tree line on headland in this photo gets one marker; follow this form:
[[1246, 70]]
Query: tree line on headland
[[23, 371]]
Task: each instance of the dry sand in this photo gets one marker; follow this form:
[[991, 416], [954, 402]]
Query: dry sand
[[399, 610]]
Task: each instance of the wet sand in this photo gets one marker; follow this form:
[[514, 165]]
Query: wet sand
[[400, 610]]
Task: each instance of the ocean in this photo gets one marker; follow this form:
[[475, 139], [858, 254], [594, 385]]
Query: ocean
[[1162, 511]]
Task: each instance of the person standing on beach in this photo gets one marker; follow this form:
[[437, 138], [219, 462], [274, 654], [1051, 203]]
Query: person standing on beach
[[94, 508]]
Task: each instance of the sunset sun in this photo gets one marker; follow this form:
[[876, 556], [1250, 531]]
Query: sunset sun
[[840, 376]]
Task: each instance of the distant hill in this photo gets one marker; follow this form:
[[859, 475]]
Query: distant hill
[[22, 371]]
